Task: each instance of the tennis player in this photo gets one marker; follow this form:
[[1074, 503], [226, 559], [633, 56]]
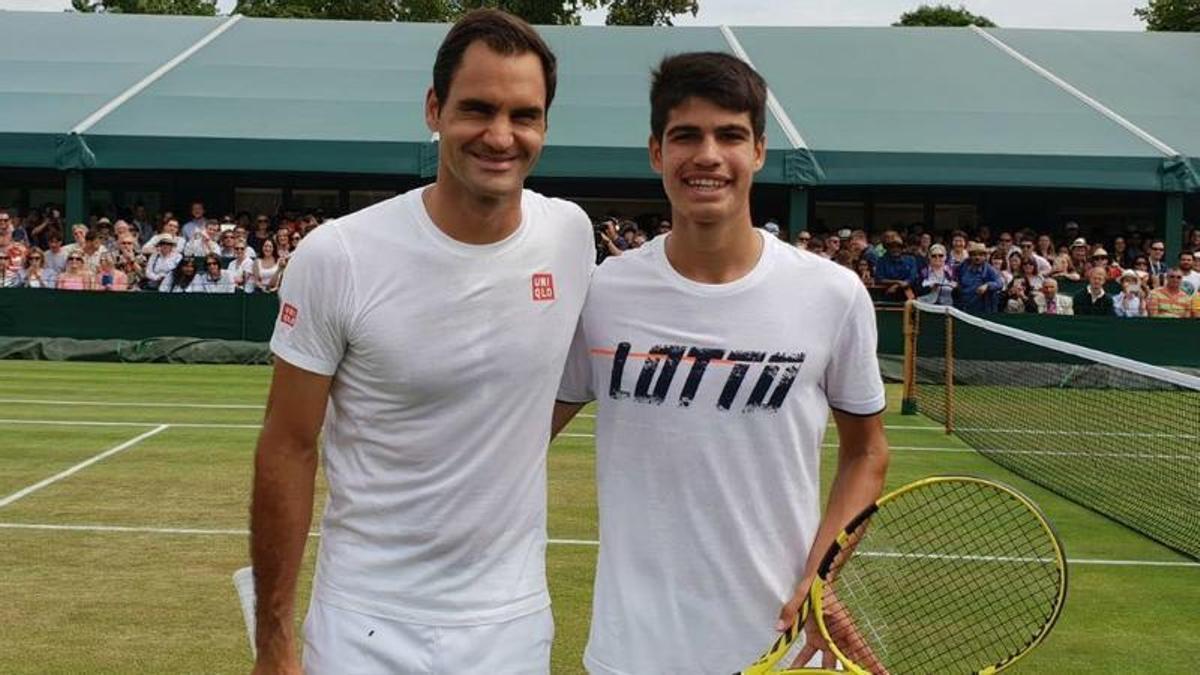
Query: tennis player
[[425, 336], [714, 392]]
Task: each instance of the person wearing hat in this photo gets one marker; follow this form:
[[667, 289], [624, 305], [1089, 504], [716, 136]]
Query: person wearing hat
[[1101, 259], [938, 282], [979, 283], [1131, 301], [161, 263], [895, 271], [1079, 258], [1092, 300], [772, 227]]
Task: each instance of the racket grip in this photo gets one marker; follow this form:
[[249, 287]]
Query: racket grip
[[243, 581]]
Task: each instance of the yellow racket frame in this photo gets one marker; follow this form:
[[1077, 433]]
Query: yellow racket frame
[[814, 601]]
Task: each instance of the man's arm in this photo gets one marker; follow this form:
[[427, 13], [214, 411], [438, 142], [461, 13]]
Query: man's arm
[[862, 466], [285, 466], [564, 412]]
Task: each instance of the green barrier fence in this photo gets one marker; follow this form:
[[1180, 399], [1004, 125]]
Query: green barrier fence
[[43, 324]]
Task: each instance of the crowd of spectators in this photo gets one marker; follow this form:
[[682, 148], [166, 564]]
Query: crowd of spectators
[[1021, 271], [138, 252], [1018, 271]]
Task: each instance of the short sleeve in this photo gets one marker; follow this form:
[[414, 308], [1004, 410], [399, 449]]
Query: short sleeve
[[315, 303], [852, 380], [576, 384]]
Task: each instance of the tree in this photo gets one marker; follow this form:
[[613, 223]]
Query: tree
[[944, 15], [648, 12], [552, 12], [1171, 15], [191, 7]]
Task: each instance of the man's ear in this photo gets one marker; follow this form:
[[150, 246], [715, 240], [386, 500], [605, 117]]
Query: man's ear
[[655, 154], [433, 109], [760, 152]]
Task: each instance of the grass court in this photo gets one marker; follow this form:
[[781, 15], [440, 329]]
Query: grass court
[[123, 511]]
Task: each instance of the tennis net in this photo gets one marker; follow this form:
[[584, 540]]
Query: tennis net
[[1116, 435]]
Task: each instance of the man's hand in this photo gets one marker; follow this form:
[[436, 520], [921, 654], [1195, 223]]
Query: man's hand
[[813, 640], [982, 290]]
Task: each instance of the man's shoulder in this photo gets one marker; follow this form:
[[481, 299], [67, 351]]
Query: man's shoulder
[[556, 211]]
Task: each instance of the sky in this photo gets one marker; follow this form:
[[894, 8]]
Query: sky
[[1077, 14]]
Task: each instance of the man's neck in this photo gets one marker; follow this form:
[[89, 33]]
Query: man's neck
[[469, 218], [713, 253]]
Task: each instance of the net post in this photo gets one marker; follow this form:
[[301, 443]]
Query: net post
[[908, 404], [949, 373]]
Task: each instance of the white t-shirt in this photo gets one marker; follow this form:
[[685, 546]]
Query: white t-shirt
[[1191, 282], [445, 359], [708, 459]]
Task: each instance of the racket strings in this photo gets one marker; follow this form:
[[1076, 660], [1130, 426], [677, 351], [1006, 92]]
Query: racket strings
[[952, 577]]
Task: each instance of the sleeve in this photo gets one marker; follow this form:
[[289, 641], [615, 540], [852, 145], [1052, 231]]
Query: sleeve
[[852, 380], [576, 384], [316, 301]]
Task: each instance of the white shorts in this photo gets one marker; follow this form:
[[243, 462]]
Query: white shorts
[[343, 642]]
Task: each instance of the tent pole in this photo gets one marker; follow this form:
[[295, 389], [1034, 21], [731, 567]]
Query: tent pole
[[797, 212], [1173, 226], [76, 206]]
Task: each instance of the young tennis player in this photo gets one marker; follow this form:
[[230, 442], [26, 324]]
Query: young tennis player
[[427, 333], [714, 391]]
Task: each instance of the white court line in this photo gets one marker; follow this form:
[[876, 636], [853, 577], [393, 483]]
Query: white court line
[[80, 466], [560, 542], [186, 425], [135, 404]]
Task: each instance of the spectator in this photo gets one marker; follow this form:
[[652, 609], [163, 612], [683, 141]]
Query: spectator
[[1044, 254], [958, 248], [260, 233], [896, 272], [802, 239], [664, 227], [833, 244], [772, 228], [865, 273], [1092, 300], [938, 282], [162, 263], [36, 274], [108, 277], [1122, 255], [1101, 260], [997, 260], [79, 233], [295, 237], [1028, 271], [283, 243], [1141, 270], [242, 268], [1191, 277], [76, 277], [228, 242], [861, 248], [816, 245], [56, 253], [92, 249], [170, 230], [266, 268], [1017, 299], [1170, 301], [1005, 244], [142, 223], [1158, 264], [204, 240], [197, 223], [978, 282], [1131, 301], [130, 261], [14, 265], [213, 279], [1049, 301], [1061, 268], [1079, 260], [182, 278]]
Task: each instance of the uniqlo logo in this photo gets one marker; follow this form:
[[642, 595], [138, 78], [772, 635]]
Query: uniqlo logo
[[288, 314], [543, 286]]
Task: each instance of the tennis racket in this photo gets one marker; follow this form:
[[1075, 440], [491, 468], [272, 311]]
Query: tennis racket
[[949, 574]]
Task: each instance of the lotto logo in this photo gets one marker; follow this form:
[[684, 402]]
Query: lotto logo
[[543, 286], [288, 314]]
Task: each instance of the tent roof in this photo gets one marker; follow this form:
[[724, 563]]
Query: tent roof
[[870, 105]]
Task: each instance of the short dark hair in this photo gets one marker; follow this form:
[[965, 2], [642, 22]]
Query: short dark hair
[[504, 34], [720, 78]]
